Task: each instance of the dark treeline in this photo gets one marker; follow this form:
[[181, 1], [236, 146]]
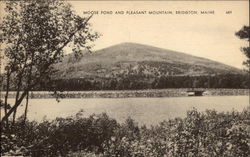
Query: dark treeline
[[136, 82]]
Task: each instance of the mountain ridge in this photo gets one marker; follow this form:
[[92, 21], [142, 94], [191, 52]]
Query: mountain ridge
[[134, 58]]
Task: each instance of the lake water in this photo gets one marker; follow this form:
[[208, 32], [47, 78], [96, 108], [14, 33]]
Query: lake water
[[144, 110]]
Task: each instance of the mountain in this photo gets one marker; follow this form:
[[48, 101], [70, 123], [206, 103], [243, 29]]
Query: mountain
[[136, 59]]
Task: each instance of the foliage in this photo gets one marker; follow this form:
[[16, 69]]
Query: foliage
[[244, 34], [62, 135], [198, 134], [35, 34], [135, 82]]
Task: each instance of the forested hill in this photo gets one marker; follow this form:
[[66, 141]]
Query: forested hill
[[131, 58], [136, 66]]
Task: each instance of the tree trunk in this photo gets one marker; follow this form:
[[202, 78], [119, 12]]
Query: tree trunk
[[14, 107], [6, 98], [26, 109], [17, 96]]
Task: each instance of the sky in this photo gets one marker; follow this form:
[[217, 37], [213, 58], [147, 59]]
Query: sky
[[205, 35]]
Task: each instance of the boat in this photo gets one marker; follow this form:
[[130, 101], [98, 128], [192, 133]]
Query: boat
[[195, 92]]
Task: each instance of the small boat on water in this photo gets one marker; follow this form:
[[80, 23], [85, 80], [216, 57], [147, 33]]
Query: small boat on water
[[195, 92]]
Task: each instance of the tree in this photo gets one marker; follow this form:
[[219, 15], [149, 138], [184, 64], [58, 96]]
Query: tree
[[244, 34], [35, 35]]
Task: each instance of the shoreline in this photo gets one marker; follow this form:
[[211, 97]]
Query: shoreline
[[180, 92]]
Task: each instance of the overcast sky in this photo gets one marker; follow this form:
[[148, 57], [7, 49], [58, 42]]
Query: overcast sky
[[210, 36]]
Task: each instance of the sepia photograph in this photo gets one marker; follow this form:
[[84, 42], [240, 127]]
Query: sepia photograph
[[141, 78]]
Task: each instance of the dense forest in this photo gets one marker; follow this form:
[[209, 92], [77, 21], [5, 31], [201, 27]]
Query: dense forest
[[135, 82]]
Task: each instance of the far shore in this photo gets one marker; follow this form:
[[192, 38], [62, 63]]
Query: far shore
[[178, 92]]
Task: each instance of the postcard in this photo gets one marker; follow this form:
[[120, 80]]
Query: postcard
[[125, 78]]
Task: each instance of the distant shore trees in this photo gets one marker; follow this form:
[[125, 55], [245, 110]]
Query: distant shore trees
[[139, 82]]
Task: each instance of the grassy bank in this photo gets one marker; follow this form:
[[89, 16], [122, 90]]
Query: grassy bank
[[198, 134]]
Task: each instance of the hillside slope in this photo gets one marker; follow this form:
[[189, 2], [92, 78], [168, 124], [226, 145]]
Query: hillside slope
[[132, 58]]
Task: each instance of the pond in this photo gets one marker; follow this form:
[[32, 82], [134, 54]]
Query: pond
[[147, 111]]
